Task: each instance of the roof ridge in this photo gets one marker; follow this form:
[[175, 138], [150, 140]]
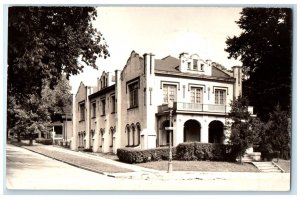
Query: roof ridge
[[169, 56]]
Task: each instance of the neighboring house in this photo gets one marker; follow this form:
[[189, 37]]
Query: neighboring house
[[61, 125], [130, 108]]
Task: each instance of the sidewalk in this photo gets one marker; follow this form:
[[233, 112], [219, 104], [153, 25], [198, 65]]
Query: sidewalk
[[121, 170]]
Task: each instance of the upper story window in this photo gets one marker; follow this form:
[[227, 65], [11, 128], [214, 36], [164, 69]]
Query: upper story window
[[133, 94], [169, 93], [113, 104], [196, 95], [82, 111], [94, 109], [103, 106], [189, 65], [220, 96], [195, 64], [201, 67]]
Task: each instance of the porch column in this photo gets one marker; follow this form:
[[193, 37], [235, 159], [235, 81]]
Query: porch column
[[204, 132]]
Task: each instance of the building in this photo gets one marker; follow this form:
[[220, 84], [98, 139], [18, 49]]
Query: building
[[131, 108]]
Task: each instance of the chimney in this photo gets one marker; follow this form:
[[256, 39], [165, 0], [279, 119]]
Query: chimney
[[237, 74], [149, 63]]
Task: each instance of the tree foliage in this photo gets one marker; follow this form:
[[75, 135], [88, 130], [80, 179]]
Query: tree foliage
[[277, 133], [245, 129], [265, 49], [33, 116], [43, 42]]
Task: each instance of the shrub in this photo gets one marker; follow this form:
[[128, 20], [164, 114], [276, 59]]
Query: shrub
[[87, 150], [131, 155], [43, 141], [185, 151], [205, 151]]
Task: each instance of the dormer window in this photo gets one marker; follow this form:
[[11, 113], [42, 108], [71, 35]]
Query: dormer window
[[195, 64], [189, 66], [201, 67]]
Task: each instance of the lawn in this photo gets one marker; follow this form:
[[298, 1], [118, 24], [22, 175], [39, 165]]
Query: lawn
[[284, 164], [210, 166]]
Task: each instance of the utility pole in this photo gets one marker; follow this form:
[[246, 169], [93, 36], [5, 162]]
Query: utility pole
[[170, 166]]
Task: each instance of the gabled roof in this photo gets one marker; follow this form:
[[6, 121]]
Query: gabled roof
[[171, 64], [102, 91], [168, 63]]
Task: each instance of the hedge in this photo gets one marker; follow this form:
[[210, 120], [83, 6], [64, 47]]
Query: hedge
[[184, 151], [205, 151], [131, 155], [43, 141]]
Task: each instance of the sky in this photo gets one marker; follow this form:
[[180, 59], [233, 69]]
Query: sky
[[162, 31]]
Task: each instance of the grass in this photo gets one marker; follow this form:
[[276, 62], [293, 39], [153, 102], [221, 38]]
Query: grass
[[284, 164], [210, 166]]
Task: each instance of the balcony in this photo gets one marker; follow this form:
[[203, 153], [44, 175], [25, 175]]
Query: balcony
[[193, 107]]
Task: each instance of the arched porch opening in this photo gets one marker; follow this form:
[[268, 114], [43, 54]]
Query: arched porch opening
[[216, 132], [191, 131]]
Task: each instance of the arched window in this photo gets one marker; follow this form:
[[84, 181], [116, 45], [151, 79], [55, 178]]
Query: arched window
[[111, 136], [92, 137], [128, 134], [101, 137], [138, 133], [133, 134]]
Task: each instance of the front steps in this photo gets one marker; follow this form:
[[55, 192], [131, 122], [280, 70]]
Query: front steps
[[250, 157], [268, 167]]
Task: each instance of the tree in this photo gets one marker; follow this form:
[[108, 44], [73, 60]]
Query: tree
[[244, 128], [277, 133], [59, 97], [34, 115], [43, 42], [265, 49]]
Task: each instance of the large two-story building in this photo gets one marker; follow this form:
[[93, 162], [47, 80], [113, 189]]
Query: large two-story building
[[131, 108]]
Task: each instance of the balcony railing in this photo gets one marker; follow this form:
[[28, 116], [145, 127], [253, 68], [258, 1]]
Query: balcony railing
[[194, 107]]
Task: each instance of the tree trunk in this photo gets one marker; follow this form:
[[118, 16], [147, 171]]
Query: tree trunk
[[30, 139], [19, 137], [240, 158]]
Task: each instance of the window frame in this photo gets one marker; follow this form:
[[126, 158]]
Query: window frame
[[81, 111], [94, 109], [218, 96], [133, 94], [168, 86], [103, 104], [194, 96], [113, 104]]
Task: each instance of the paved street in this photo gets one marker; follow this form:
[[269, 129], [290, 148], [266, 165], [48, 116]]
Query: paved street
[[28, 170]]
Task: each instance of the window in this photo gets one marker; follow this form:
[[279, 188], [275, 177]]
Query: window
[[82, 111], [93, 109], [113, 104], [103, 106], [169, 93], [196, 95], [133, 95], [201, 67], [195, 64], [111, 137], [220, 97], [189, 65]]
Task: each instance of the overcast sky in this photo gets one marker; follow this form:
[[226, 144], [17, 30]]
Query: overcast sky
[[162, 31]]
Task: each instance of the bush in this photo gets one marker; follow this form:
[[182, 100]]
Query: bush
[[130, 155], [87, 150], [205, 151], [44, 141]]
